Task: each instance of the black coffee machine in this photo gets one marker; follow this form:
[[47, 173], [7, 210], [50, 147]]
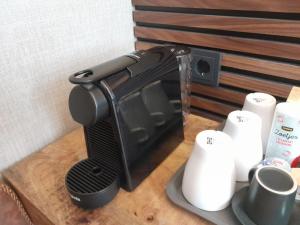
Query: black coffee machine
[[131, 112]]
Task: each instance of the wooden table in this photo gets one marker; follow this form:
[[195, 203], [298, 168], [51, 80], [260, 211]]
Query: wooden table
[[39, 182]]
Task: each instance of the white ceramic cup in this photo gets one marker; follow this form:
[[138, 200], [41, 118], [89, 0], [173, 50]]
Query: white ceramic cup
[[264, 106], [209, 176], [244, 127]]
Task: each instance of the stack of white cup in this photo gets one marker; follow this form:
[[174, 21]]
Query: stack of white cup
[[264, 106], [222, 158], [245, 129], [211, 164]]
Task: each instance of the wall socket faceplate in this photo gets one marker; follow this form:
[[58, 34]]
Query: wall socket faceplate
[[205, 66]]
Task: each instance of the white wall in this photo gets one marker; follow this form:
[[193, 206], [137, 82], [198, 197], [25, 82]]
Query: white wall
[[41, 44]]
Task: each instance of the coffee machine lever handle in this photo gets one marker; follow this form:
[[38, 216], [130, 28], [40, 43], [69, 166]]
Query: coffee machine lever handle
[[101, 71]]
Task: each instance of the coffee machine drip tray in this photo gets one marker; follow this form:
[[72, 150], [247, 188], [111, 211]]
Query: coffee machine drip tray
[[92, 183]]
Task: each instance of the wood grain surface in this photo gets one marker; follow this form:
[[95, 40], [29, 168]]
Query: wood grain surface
[[289, 28], [294, 95], [259, 42], [255, 84], [254, 46], [39, 181], [219, 93], [213, 106], [241, 84], [267, 67], [144, 45], [207, 114], [290, 6]]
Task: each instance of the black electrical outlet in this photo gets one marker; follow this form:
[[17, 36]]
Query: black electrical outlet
[[205, 66]]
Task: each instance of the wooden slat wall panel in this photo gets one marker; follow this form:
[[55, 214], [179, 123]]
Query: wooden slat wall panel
[[289, 28], [219, 93], [142, 45], [260, 47], [292, 6], [244, 82], [212, 106], [255, 46], [254, 84], [207, 114], [267, 67], [284, 70]]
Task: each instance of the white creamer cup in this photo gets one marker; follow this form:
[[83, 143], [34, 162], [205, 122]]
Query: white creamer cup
[[284, 139]]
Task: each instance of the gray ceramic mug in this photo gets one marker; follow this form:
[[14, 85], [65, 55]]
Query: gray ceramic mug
[[281, 163], [271, 196]]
